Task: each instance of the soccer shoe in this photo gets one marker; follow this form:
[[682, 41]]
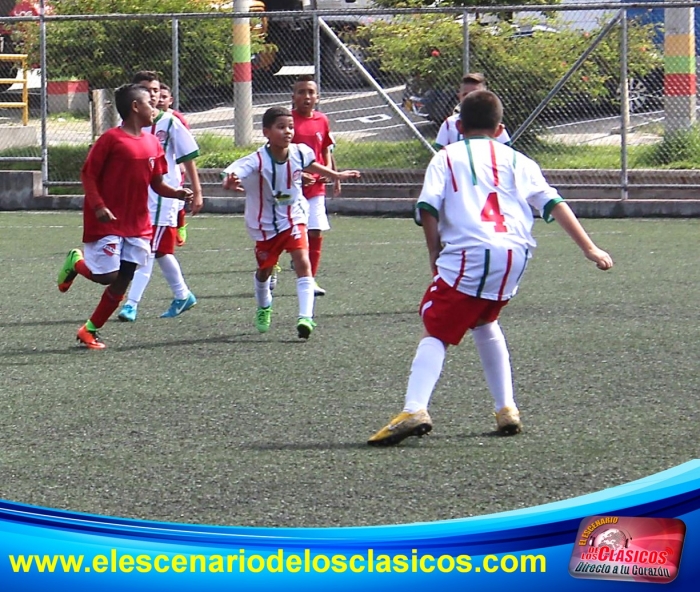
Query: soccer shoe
[[405, 424], [67, 273], [508, 421], [89, 339], [181, 237], [273, 278], [263, 319], [127, 313], [305, 326], [178, 306], [318, 290]]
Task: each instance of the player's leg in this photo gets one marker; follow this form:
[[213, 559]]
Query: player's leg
[[126, 257], [318, 223], [298, 247], [90, 265], [266, 254], [495, 360], [140, 282], [183, 298]]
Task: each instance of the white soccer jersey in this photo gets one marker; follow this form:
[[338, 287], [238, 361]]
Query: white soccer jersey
[[274, 198], [448, 134], [179, 146], [481, 192]]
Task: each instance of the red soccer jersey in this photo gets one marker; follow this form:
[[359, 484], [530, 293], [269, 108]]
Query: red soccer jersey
[[116, 175], [315, 132]]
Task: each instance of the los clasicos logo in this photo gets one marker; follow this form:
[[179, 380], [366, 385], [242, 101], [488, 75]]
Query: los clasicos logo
[[628, 548]]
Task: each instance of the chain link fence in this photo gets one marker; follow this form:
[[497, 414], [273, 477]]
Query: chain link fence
[[585, 87]]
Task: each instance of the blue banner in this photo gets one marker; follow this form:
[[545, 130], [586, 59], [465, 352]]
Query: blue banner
[[586, 543]]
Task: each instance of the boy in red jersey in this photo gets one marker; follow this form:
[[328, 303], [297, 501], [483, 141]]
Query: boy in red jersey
[[117, 229], [311, 127]]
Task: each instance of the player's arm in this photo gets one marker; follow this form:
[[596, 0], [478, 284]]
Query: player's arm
[[193, 176], [320, 169], [562, 213], [162, 188], [232, 176]]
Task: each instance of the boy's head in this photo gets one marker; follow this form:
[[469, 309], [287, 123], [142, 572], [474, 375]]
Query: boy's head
[[133, 101], [278, 126], [165, 100], [481, 111], [149, 80], [305, 95], [470, 83]]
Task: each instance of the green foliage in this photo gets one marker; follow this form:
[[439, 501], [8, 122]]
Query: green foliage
[[520, 69], [108, 52], [679, 150]]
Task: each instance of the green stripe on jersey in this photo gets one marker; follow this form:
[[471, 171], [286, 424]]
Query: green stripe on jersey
[[482, 283], [471, 162], [188, 157], [547, 211], [428, 208]]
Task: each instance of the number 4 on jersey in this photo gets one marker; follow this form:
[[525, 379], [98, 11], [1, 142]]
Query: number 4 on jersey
[[492, 213]]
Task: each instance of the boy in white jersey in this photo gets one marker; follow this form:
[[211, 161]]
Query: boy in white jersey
[[448, 132], [276, 213], [476, 215], [180, 147]]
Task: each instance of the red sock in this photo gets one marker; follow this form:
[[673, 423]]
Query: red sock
[[82, 268], [315, 253], [181, 218], [108, 304]]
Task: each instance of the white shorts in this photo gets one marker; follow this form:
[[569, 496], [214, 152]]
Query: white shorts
[[106, 254], [318, 219]]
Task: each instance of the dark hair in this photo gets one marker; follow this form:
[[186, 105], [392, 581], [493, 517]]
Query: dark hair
[[164, 86], [480, 110], [124, 97], [305, 78], [272, 114], [145, 76], [474, 78]]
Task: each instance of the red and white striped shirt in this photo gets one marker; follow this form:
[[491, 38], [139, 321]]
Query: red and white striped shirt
[[482, 192], [274, 197]]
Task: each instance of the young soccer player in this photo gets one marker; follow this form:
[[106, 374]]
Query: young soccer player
[[448, 132], [165, 103], [312, 128], [276, 211], [180, 147], [476, 216], [122, 164]]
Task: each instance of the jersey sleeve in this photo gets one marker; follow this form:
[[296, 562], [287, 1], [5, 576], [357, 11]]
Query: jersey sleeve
[[504, 137], [243, 167], [538, 193], [433, 192], [184, 144], [160, 166], [327, 137], [443, 135], [306, 155]]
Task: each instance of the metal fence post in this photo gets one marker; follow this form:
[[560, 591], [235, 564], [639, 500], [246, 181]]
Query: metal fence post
[[465, 36], [242, 75], [624, 107], [317, 52], [176, 63], [44, 99]]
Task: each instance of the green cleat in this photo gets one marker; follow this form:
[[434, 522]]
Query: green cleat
[[305, 326], [263, 319], [67, 274]]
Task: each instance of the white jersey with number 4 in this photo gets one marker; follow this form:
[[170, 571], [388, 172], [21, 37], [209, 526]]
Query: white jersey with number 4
[[448, 133], [179, 146], [482, 191], [274, 198]]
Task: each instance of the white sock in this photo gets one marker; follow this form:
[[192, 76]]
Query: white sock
[[495, 359], [263, 295], [173, 275], [140, 281], [425, 372], [305, 293]]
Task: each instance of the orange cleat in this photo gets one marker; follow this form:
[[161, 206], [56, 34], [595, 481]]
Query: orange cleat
[[89, 339]]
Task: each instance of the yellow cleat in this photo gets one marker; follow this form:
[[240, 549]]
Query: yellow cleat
[[401, 427]]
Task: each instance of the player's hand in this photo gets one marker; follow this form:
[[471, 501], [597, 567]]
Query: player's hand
[[197, 203], [602, 259], [104, 215], [184, 194], [232, 182], [307, 179], [342, 175]]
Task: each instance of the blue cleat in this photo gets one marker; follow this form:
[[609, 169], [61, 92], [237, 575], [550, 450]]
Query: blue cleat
[[127, 314], [177, 307]]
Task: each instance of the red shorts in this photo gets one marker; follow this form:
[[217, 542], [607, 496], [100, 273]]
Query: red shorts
[[164, 240], [268, 252], [448, 314]]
